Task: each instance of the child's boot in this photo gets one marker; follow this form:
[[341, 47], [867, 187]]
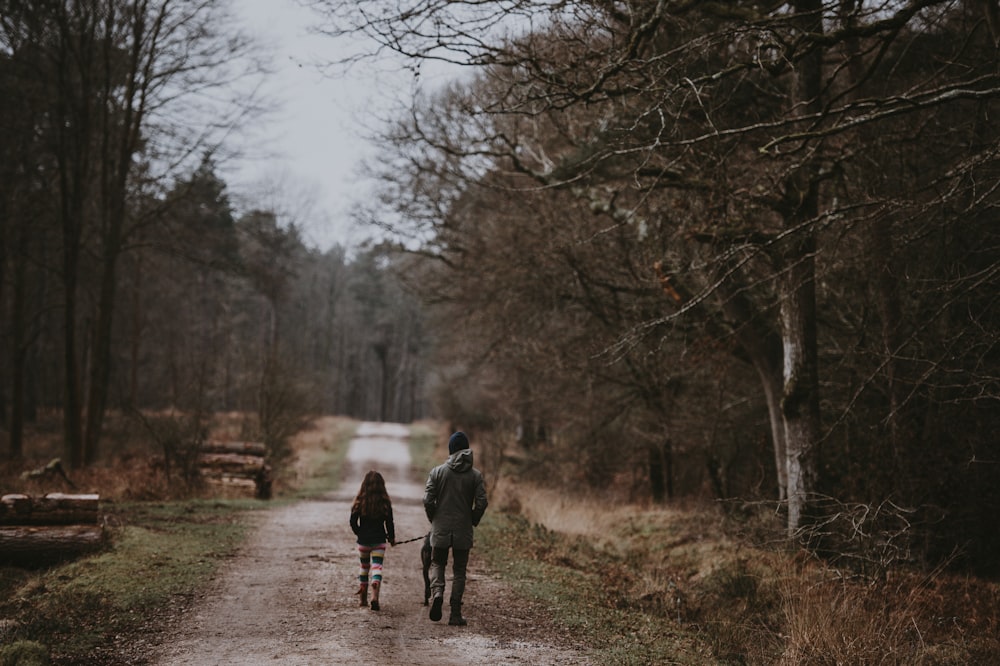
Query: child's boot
[[363, 593], [375, 588]]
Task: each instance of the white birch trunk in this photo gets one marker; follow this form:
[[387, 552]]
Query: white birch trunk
[[800, 394]]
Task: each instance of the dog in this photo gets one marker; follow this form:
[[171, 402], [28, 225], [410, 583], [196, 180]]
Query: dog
[[425, 560]]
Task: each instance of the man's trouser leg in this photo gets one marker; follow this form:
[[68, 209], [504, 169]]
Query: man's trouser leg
[[458, 568], [461, 562], [439, 560]]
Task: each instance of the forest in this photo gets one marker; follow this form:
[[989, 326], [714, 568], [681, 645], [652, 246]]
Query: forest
[[743, 251], [129, 279]]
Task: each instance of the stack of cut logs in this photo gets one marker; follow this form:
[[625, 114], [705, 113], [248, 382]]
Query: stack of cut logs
[[238, 465], [38, 530]]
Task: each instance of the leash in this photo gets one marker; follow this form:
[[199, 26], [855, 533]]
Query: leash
[[400, 543]]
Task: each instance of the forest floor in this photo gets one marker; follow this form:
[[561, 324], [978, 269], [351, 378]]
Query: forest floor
[[288, 596]]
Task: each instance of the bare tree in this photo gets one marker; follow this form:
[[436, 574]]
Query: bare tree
[[115, 72], [741, 123]]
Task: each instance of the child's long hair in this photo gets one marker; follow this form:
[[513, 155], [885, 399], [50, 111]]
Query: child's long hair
[[373, 499]]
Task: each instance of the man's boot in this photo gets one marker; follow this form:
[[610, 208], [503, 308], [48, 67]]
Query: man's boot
[[456, 619], [436, 608], [363, 593]]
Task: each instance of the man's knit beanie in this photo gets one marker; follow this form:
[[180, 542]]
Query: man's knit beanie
[[457, 442]]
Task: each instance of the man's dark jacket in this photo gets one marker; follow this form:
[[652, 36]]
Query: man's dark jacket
[[455, 501]]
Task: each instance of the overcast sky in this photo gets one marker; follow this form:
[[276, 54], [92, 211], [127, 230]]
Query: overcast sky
[[311, 146]]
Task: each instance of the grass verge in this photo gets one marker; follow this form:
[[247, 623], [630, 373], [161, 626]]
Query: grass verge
[[648, 585], [580, 584], [161, 554], [319, 458]]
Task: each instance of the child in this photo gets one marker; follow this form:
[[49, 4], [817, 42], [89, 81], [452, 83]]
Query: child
[[371, 521]]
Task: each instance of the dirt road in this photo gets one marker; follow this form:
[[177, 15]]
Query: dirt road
[[288, 597]]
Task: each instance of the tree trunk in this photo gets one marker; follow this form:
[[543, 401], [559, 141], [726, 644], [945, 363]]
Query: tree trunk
[[39, 530], [73, 157], [234, 464], [100, 369], [764, 349], [244, 472], [18, 350], [120, 139], [887, 299], [136, 334], [52, 509], [4, 226], [797, 289], [43, 544], [800, 395], [100, 374], [656, 485], [72, 424], [661, 471], [382, 352], [242, 448]]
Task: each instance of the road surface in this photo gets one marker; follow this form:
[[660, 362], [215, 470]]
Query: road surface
[[288, 596]]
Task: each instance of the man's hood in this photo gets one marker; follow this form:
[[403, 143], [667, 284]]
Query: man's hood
[[461, 461]]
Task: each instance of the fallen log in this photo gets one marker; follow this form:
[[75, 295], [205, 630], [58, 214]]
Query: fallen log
[[44, 544], [243, 448], [51, 509], [230, 463], [258, 486], [256, 480], [234, 481], [238, 465]]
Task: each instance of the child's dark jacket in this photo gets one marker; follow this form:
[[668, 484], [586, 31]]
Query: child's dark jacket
[[373, 530]]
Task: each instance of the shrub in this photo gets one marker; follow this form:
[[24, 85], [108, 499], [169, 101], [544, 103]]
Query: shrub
[[24, 653]]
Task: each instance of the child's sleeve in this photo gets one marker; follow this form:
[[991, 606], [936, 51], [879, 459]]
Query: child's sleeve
[[390, 527], [355, 522]]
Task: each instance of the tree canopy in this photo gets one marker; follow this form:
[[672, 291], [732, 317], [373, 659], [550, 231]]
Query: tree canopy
[[698, 224], [128, 280]]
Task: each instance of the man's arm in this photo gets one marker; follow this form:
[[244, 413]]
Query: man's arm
[[479, 507], [430, 496]]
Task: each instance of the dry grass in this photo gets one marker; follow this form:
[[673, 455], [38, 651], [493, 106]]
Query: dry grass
[[584, 516], [756, 605], [936, 618], [131, 465], [121, 479], [317, 456]]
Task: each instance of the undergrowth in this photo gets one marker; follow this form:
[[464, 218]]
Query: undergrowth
[[161, 552], [638, 584], [582, 583], [647, 585], [428, 448], [319, 460]]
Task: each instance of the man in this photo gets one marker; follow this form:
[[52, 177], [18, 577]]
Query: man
[[455, 500]]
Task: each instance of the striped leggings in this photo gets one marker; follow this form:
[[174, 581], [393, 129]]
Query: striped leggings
[[371, 563]]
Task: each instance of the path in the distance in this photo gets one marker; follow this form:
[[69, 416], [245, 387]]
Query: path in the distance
[[288, 597]]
